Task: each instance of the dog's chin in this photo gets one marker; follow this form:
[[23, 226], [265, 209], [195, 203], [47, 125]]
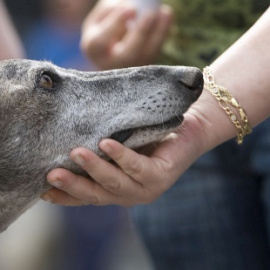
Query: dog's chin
[[138, 137]]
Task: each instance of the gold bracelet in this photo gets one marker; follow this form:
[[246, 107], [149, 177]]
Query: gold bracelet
[[227, 102]]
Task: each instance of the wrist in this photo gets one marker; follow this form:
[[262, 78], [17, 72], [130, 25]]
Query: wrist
[[211, 125], [234, 111]]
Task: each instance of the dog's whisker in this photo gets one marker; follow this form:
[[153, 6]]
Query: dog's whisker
[[162, 120], [180, 119]]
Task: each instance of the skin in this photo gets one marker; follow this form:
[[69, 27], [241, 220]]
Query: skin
[[10, 44], [243, 69], [110, 41]]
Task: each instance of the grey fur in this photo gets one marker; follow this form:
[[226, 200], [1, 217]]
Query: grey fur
[[39, 126]]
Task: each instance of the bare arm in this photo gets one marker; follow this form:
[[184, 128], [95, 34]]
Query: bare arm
[[244, 70], [10, 44]]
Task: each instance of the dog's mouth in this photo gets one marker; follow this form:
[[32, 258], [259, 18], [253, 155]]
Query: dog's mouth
[[124, 135]]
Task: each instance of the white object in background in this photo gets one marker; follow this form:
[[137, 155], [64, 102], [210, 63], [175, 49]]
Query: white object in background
[[146, 5]]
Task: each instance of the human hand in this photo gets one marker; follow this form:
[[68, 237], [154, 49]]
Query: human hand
[[137, 179], [110, 43]]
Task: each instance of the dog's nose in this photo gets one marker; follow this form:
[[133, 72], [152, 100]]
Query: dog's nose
[[192, 79]]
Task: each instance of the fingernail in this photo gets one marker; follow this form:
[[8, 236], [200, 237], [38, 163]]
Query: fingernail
[[79, 159], [106, 147], [56, 183], [47, 198]]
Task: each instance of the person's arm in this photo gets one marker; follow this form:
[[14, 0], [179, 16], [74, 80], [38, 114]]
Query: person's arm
[[244, 70], [111, 41], [10, 44]]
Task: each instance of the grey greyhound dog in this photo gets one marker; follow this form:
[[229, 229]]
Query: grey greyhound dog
[[46, 111]]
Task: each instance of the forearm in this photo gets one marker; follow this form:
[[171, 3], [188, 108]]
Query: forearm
[[244, 69], [10, 44]]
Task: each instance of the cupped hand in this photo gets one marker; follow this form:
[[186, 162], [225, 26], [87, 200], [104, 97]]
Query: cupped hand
[[135, 179], [111, 40]]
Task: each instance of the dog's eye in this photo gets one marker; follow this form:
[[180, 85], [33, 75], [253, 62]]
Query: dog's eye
[[48, 80]]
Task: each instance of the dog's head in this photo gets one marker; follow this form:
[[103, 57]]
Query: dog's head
[[46, 111]]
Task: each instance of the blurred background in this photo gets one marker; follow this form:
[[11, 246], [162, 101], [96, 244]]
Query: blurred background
[[86, 238]]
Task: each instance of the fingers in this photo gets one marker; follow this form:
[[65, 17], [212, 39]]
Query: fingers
[[134, 41], [110, 177], [102, 9], [128, 160], [146, 172], [142, 43], [98, 38], [58, 196], [111, 185], [109, 44], [162, 27], [138, 179], [67, 182], [76, 190]]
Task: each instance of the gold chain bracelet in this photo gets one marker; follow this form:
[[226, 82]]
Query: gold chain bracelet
[[227, 102]]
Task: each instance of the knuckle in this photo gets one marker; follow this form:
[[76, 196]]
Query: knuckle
[[134, 167], [92, 196], [112, 186], [66, 185]]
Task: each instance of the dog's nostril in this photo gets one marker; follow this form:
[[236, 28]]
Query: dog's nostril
[[193, 80]]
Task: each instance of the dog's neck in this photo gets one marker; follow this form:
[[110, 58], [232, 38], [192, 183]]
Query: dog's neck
[[11, 207]]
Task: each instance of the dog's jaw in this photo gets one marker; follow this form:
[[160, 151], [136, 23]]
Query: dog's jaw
[[13, 204], [137, 137]]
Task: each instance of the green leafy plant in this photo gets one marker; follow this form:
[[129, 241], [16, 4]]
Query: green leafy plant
[[203, 29]]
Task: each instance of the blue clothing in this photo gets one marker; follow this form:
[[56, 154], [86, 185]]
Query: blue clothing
[[217, 216], [48, 40]]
